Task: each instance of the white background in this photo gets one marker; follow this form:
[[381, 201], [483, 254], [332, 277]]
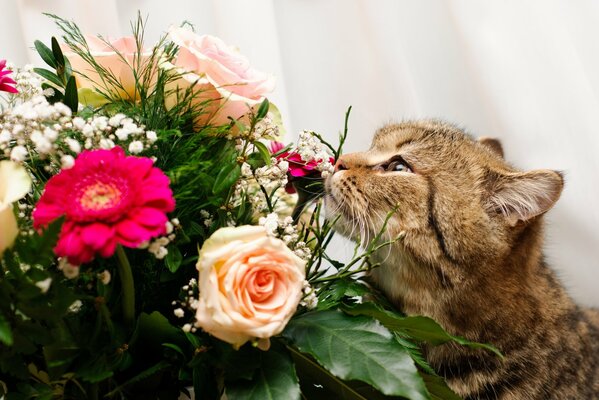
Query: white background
[[526, 72]]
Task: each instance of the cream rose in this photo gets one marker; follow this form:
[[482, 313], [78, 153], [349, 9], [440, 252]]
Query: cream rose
[[217, 72], [120, 57], [250, 284], [14, 184]]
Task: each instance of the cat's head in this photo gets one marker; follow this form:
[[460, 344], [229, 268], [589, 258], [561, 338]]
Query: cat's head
[[459, 203]]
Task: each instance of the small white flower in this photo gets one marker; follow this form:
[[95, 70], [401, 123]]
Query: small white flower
[[136, 147], [50, 134], [204, 214], [151, 136], [106, 144], [74, 145], [246, 170], [78, 123], [179, 313], [175, 221], [122, 134], [76, 306], [116, 120], [105, 277], [44, 285], [186, 328], [161, 253], [100, 123], [169, 227], [5, 136], [270, 222], [67, 161], [18, 154], [87, 130]]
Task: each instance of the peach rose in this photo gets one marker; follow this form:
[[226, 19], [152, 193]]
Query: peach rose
[[250, 284], [216, 72], [14, 185], [119, 56]]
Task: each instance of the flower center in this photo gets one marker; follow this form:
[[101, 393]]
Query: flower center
[[100, 196]]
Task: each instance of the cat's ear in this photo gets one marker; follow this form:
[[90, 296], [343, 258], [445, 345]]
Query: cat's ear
[[492, 144], [525, 195]]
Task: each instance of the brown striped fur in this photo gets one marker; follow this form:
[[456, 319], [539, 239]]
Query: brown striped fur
[[472, 259]]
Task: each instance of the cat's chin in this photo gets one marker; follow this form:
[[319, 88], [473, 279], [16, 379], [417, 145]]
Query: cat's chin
[[345, 225]]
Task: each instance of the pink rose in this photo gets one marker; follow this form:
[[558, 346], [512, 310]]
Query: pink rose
[[219, 73], [121, 57], [250, 284]]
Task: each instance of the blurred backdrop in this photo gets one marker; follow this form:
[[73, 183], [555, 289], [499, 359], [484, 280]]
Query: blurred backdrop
[[524, 72]]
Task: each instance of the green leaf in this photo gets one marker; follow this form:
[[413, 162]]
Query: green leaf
[[417, 327], [58, 56], [153, 370], [226, 178], [264, 153], [204, 385], [71, 99], [90, 97], [262, 110], [45, 53], [318, 383], [275, 379], [49, 76], [152, 331], [173, 258], [357, 348], [5, 332], [438, 388]]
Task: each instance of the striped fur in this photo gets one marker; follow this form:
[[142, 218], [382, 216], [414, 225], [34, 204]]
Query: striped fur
[[472, 259]]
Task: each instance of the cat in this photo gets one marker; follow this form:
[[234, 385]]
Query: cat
[[471, 258]]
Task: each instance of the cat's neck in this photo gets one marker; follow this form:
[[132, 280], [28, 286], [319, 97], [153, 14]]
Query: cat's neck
[[513, 289]]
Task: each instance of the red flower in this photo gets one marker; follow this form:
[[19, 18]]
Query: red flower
[[107, 198], [298, 168], [5, 80]]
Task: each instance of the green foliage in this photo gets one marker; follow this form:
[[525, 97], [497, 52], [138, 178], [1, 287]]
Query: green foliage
[[357, 348], [273, 379], [417, 327], [62, 82]]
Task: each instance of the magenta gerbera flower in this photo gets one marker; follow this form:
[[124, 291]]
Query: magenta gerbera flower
[[107, 198], [5, 80]]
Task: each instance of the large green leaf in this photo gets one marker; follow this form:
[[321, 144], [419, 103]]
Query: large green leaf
[[357, 347], [275, 379], [417, 327]]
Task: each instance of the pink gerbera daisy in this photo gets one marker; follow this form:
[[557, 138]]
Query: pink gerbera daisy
[[5, 80], [107, 198]]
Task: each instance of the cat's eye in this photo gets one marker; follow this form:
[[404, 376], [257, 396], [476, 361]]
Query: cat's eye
[[398, 166]]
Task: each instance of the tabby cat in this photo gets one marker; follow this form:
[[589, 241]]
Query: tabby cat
[[471, 259]]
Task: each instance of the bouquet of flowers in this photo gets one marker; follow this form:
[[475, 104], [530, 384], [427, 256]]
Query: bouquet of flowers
[[157, 238]]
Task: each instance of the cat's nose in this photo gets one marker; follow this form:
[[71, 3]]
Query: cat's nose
[[340, 165]]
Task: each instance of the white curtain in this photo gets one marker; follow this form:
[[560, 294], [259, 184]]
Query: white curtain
[[524, 72]]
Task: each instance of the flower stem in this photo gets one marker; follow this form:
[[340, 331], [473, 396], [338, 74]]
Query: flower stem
[[127, 287]]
